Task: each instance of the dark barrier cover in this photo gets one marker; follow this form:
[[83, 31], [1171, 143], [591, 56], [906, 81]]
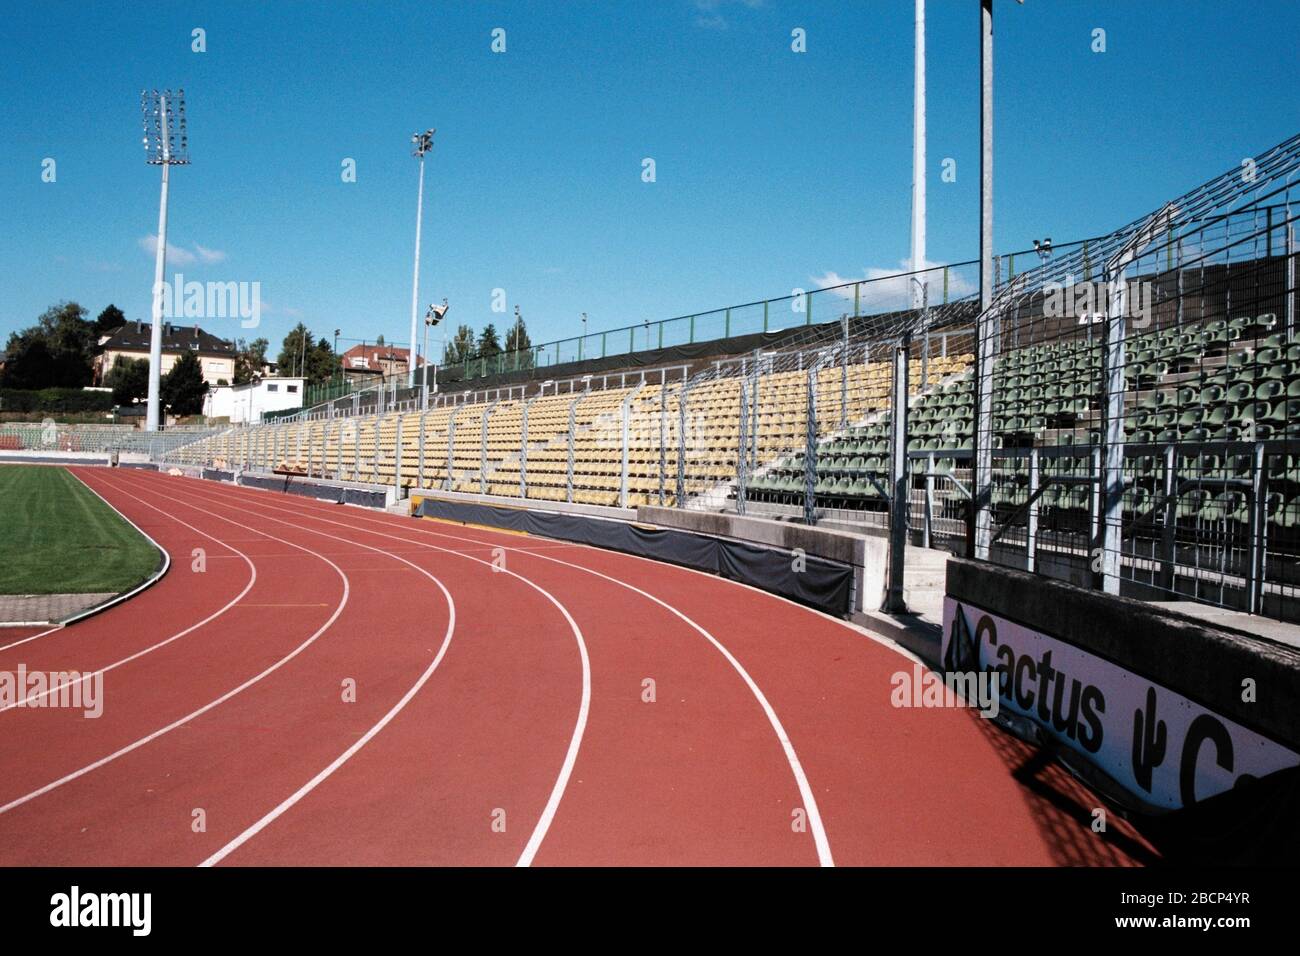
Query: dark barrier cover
[[825, 585], [310, 489], [213, 474], [145, 465], [818, 582]]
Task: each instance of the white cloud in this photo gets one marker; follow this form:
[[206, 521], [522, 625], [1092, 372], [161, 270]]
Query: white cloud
[[209, 255], [885, 289], [180, 256], [288, 311], [711, 17]]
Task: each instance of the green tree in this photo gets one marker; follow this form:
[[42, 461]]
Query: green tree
[[488, 343], [111, 318], [30, 365], [183, 388], [249, 359], [292, 353], [62, 348], [322, 364], [129, 380], [517, 339], [460, 347]]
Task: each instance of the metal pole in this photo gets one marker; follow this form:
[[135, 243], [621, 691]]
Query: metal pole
[[894, 602], [1112, 477], [622, 478], [415, 280], [742, 456], [663, 437], [810, 451], [152, 413], [681, 445], [397, 457], [451, 447], [573, 423], [918, 150], [844, 377], [980, 532], [419, 466], [424, 392]]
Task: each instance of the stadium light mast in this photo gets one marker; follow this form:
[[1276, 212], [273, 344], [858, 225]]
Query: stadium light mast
[[918, 158], [423, 143], [166, 144]]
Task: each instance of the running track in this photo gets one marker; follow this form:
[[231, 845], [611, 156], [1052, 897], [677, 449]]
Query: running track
[[315, 684]]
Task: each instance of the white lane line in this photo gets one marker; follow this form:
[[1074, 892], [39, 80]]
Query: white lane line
[[344, 757], [575, 740], [68, 778], [820, 839], [147, 583], [252, 579], [32, 637], [347, 755]]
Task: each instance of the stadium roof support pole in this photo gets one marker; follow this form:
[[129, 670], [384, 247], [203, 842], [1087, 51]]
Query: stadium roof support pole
[[918, 153]]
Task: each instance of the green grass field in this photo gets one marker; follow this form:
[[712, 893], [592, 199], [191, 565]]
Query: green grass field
[[57, 537]]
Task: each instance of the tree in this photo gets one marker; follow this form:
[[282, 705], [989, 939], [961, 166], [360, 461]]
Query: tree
[[62, 346], [517, 339], [322, 364], [296, 344], [249, 359], [129, 380], [183, 388], [488, 344], [30, 364], [380, 340], [111, 318], [460, 347]]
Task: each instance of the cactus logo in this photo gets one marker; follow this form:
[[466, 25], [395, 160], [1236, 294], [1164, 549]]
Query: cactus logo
[[1163, 747]]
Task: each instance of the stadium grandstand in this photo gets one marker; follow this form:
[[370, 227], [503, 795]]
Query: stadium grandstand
[[1166, 443]]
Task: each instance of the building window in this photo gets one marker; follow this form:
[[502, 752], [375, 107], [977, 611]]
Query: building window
[[273, 388], [291, 388]]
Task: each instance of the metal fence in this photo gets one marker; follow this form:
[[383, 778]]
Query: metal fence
[[1138, 414], [1125, 414], [51, 436]]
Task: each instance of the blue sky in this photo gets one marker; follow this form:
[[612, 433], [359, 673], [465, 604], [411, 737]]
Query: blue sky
[[775, 170]]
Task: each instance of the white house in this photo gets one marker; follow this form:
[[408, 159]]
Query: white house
[[247, 403]]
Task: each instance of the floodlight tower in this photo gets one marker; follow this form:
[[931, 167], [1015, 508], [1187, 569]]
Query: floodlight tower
[[423, 143], [918, 160], [163, 114]]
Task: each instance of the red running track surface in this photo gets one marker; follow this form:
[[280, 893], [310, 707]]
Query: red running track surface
[[316, 684]]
